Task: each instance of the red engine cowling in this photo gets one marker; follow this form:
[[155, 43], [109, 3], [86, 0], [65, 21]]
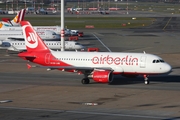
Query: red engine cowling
[[102, 76]]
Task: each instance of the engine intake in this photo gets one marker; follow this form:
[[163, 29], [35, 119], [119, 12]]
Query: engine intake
[[5, 44], [103, 76]]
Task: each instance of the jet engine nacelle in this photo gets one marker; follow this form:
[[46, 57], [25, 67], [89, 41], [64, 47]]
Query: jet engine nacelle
[[5, 44], [103, 76]]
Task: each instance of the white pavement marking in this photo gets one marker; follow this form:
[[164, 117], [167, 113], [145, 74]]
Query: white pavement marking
[[102, 43]]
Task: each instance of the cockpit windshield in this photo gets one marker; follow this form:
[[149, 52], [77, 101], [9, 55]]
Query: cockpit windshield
[[158, 61], [77, 43]]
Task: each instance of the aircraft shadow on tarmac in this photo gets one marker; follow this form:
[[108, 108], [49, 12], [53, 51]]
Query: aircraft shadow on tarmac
[[89, 38], [174, 118], [120, 80], [87, 45]]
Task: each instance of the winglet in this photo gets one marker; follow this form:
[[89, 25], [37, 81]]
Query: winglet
[[29, 66], [15, 49]]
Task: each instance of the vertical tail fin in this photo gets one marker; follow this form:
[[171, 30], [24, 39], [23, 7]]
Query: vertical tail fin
[[32, 40], [5, 22], [15, 22], [19, 17]]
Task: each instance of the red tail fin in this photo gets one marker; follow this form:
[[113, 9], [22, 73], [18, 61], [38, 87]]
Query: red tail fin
[[32, 40]]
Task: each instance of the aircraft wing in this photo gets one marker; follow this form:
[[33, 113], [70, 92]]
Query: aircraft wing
[[72, 68], [15, 49], [15, 38]]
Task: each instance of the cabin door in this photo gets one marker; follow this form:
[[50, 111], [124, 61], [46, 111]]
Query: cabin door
[[47, 58], [143, 62]]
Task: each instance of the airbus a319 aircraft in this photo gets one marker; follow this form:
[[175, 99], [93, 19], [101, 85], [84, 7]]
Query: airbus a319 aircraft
[[54, 45], [99, 66]]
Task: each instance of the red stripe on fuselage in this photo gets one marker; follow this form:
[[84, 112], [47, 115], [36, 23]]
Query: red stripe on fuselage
[[43, 58]]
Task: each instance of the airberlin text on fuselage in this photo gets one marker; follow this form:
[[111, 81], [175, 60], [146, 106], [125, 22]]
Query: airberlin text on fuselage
[[127, 60]]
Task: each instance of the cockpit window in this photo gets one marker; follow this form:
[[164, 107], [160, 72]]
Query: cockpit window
[[54, 34], [161, 60], [77, 43], [158, 61]]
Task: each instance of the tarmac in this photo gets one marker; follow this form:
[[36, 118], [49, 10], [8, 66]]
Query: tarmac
[[38, 94]]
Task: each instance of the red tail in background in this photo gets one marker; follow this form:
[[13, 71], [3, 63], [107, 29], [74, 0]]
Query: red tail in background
[[21, 15]]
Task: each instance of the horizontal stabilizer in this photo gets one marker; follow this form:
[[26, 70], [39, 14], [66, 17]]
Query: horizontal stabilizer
[[30, 66]]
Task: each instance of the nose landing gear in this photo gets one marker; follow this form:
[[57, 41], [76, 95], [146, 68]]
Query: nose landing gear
[[146, 81]]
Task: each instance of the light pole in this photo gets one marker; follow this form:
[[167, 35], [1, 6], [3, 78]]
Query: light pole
[[34, 4], [6, 6], [42, 3], [98, 5], [17, 8], [127, 8], [108, 4], [25, 4], [12, 6], [62, 26]]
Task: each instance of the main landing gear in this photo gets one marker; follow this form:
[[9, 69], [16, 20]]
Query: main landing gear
[[85, 81], [146, 81]]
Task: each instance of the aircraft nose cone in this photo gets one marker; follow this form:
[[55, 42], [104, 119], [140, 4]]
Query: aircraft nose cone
[[167, 68], [83, 47]]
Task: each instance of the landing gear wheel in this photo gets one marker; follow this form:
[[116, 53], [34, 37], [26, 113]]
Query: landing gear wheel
[[146, 82], [85, 81]]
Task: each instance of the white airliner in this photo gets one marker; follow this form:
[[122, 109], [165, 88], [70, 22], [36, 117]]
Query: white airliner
[[100, 66], [15, 25], [74, 9], [54, 45], [56, 29], [18, 35], [15, 22]]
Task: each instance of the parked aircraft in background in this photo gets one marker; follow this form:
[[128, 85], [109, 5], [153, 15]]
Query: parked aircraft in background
[[100, 66], [15, 25], [18, 35], [15, 22], [55, 45], [56, 29], [74, 9], [41, 11]]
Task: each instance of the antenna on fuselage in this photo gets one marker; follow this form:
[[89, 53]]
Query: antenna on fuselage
[[144, 52]]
